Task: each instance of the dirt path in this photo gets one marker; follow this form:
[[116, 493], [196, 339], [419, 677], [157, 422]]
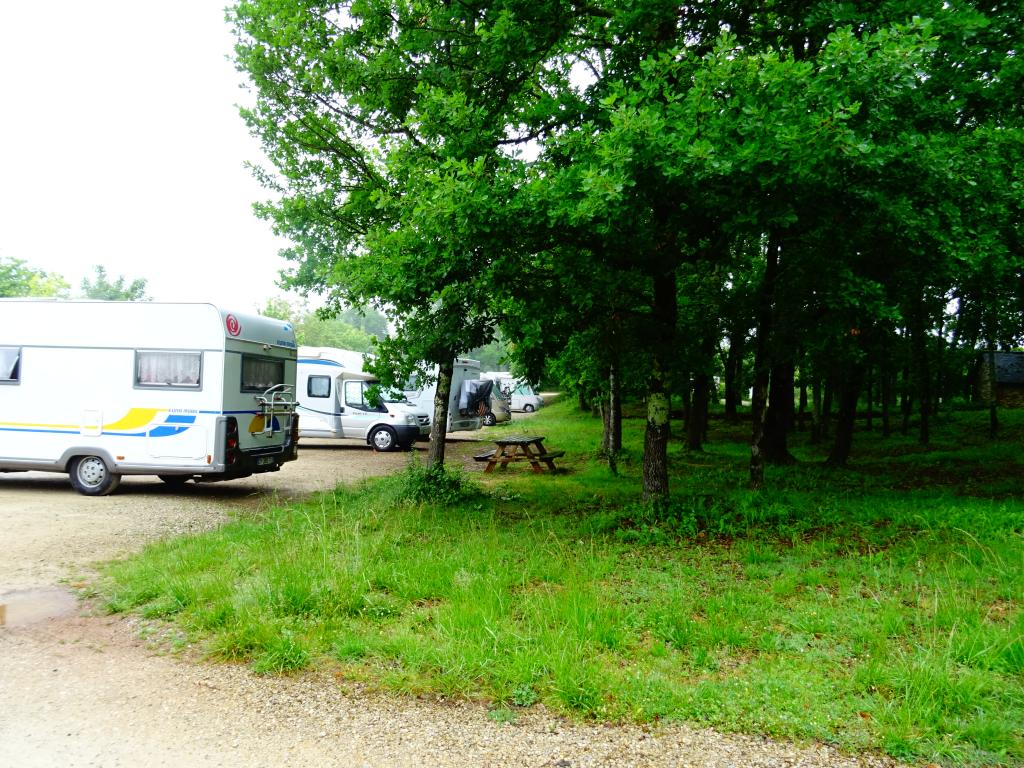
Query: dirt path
[[80, 690]]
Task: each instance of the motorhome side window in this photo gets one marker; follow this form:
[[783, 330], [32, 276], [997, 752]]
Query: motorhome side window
[[10, 365], [154, 368], [261, 373], [319, 386]]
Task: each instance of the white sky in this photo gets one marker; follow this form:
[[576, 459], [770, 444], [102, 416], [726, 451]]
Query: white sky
[[121, 145]]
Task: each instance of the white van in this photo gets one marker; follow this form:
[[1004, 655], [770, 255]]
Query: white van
[[461, 417], [336, 399], [520, 394], [102, 389]]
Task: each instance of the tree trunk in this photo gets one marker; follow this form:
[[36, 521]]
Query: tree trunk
[[940, 372], [733, 375], [870, 425], [816, 412], [439, 427], [615, 403], [655, 472], [801, 414], [687, 402], [656, 435], [886, 375], [993, 402], [923, 377], [762, 365], [779, 417], [611, 412], [906, 401], [826, 405], [849, 392], [696, 427]]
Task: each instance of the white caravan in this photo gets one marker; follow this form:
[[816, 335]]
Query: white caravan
[[335, 401], [102, 389], [465, 379], [519, 393]]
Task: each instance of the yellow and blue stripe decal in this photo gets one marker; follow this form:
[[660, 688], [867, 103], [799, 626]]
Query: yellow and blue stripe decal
[[137, 422]]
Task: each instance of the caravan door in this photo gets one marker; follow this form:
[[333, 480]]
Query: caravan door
[[321, 410]]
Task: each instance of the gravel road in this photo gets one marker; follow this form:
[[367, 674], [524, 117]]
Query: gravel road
[[88, 690]]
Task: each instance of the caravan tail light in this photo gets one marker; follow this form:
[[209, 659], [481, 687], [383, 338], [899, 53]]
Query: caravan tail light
[[231, 450]]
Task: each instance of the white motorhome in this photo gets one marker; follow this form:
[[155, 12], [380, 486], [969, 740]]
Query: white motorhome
[[102, 389], [518, 392], [461, 417], [337, 399]]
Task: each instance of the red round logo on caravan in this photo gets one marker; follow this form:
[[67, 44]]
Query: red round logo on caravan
[[234, 327]]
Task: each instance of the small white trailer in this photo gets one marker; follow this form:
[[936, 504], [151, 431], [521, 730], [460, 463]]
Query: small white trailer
[[103, 389], [336, 400]]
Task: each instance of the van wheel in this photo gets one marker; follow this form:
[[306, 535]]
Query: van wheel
[[384, 439], [528, 408], [91, 476], [175, 481], [490, 419]]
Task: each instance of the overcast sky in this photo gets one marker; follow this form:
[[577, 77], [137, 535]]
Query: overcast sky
[[121, 145]]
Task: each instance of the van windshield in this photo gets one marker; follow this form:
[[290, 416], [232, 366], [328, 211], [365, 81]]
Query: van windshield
[[385, 395]]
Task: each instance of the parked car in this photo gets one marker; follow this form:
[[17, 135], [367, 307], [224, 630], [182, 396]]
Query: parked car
[[499, 409], [520, 394]]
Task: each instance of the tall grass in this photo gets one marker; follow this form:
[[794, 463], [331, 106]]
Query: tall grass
[[870, 608]]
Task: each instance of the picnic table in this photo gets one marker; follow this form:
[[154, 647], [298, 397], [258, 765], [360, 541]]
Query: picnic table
[[514, 448]]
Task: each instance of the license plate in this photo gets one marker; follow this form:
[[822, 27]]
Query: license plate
[[263, 461]]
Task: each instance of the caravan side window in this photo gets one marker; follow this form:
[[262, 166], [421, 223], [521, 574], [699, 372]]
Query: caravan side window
[[10, 365], [319, 386], [180, 370], [261, 373]]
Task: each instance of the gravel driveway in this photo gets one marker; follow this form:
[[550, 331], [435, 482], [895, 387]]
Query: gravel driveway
[[81, 690]]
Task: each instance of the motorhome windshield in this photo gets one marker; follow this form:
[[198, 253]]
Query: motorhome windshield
[[383, 395]]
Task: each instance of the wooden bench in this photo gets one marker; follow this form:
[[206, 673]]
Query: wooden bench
[[518, 448]]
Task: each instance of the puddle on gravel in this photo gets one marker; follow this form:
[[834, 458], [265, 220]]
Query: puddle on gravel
[[21, 607]]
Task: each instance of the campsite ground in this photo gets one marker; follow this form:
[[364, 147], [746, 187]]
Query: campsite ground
[[78, 688]]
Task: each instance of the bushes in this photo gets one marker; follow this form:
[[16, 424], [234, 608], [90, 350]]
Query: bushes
[[433, 485]]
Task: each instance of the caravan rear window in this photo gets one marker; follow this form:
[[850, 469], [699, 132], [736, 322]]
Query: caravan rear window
[[261, 373], [10, 365], [157, 368]]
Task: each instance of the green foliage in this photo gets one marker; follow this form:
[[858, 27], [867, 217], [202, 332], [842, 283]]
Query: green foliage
[[434, 485], [870, 154], [102, 287], [17, 279], [317, 329]]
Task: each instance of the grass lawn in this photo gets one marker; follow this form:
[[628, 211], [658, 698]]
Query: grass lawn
[[875, 608]]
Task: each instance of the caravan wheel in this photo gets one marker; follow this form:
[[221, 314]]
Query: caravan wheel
[[91, 476]]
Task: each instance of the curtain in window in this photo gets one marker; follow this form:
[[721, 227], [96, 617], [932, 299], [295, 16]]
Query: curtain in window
[[176, 369], [260, 373]]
